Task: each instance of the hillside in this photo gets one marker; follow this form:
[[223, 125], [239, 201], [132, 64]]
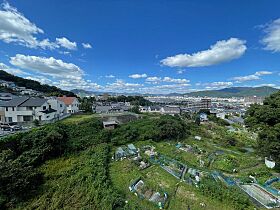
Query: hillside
[[31, 84], [236, 92]]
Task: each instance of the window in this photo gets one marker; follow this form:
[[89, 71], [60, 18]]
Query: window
[[50, 106], [13, 108], [6, 108], [60, 105], [44, 107], [27, 118]]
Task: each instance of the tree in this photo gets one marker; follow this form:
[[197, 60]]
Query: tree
[[265, 120]]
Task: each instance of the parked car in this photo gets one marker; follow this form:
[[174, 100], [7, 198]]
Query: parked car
[[10, 126]]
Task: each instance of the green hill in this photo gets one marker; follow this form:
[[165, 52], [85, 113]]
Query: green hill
[[235, 92], [31, 84]]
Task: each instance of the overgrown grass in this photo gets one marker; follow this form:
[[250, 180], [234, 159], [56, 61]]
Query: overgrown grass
[[77, 182]]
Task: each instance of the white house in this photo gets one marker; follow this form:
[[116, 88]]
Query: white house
[[71, 103], [154, 109], [26, 109], [58, 105], [221, 115]]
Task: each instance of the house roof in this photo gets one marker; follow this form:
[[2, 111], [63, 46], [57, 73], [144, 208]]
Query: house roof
[[34, 102], [67, 100], [15, 102], [24, 101]]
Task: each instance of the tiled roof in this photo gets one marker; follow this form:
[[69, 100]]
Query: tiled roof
[[67, 100]]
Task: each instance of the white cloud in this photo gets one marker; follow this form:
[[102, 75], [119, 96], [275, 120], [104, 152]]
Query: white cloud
[[221, 51], [260, 73], [110, 76], [181, 71], [153, 80], [272, 38], [169, 79], [12, 70], [138, 76], [64, 42], [122, 86], [266, 84], [217, 85], [246, 78], [87, 45], [170, 88], [256, 76], [47, 66], [16, 28]]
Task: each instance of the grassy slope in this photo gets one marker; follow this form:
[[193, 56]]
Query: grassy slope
[[70, 183]]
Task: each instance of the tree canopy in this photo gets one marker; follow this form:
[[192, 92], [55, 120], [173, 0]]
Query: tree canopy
[[265, 119]]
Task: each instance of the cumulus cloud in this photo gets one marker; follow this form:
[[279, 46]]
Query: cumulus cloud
[[218, 85], [256, 76], [246, 78], [110, 76], [221, 51], [122, 86], [47, 66], [170, 88], [271, 40], [137, 76], [16, 28], [12, 70], [153, 80], [266, 84], [173, 80], [64, 42], [87, 45], [181, 71], [260, 73]]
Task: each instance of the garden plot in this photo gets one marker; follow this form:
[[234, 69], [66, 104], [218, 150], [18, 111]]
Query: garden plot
[[260, 195], [140, 189]]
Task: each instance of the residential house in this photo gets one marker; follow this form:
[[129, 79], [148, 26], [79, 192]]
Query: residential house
[[26, 109], [154, 109], [7, 84], [71, 103], [143, 108], [59, 106]]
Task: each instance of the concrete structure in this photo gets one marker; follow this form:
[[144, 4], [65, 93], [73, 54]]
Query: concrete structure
[[110, 125], [170, 110], [71, 103]]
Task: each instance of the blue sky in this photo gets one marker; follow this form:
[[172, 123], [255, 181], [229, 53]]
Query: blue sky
[[142, 46]]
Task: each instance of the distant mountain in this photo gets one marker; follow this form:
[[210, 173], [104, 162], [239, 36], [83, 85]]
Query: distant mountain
[[235, 92], [34, 85]]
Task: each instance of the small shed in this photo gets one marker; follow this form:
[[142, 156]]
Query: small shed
[[110, 124], [120, 153], [132, 147]]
